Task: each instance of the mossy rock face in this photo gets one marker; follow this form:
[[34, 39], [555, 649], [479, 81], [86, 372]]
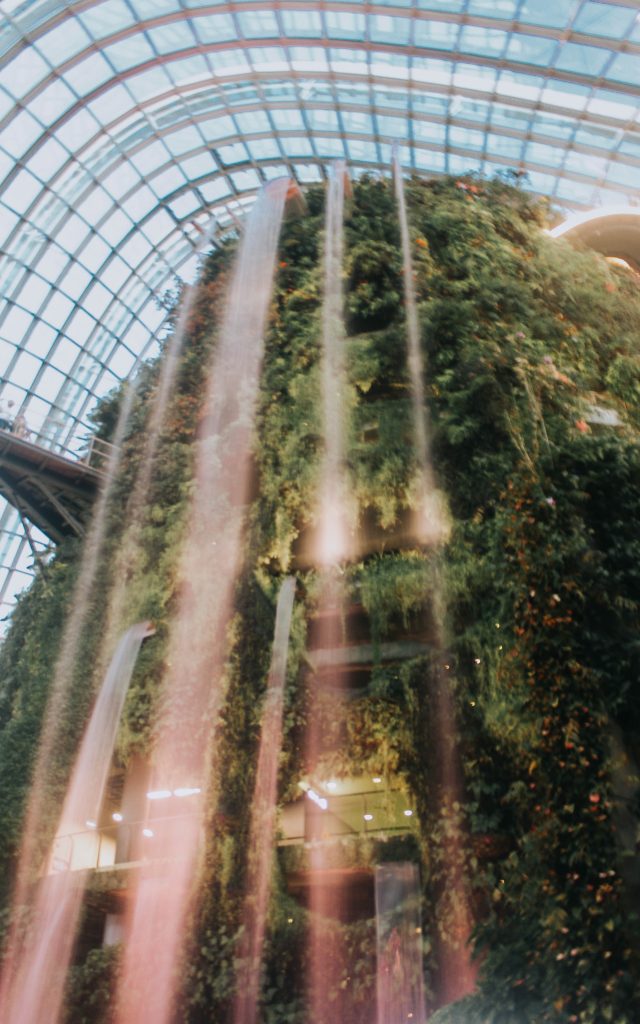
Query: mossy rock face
[[539, 581]]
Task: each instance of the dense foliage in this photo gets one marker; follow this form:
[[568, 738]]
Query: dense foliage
[[540, 580]]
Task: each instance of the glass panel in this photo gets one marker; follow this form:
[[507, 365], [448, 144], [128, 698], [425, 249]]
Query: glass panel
[[22, 191], [594, 167], [393, 127], [264, 149], [625, 69], [47, 159], [215, 28], [140, 203], [94, 254], [183, 140], [35, 293], [169, 181], [153, 8], [64, 41], [531, 49], [115, 228], [77, 131], [24, 72], [149, 82], [16, 323], [505, 9], [345, 25], [441, 5], [232, 154], [212, 190], [88, 74], [259, 25], [158, 226], [604, 20], [169, 38], [246, 180], [330, 147], [301, 23], [285, 120], [150, 158], [255, 121], [503, 146], [436, 35], [466, 138], [360, 150], [385, 29], [40, 339], [196, 167], [128, 53], [537, 153], [53, 101], [80, 326], [57, 310], [325, 120], [581, 59], [541, 12], [64, 355], [599, 137], [429, 131], [218, 128], [73, 233], [189, 69], [483, 41], [21, 133], [52, 263], [300, 146], [623, 174], [106, 18]]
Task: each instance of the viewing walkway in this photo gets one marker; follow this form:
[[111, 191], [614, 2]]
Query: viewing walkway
[[51, 490]]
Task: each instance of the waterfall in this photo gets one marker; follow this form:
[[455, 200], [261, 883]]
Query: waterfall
[[431, 525], [326, 900], [456, 972], [193, 688], [399, 977], [28, 858], [263, 817], [36, 990], [333, 541]]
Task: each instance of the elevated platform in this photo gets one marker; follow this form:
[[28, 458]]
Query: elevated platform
[[613, 232], [53, 492]]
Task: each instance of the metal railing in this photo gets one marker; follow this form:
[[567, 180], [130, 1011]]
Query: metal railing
[[93, 451]]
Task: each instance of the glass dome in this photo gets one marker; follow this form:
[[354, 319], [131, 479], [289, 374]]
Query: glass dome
[[133, 131]]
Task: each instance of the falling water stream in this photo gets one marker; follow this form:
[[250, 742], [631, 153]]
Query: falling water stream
[[456, 972], [431, 526], [328, 895], [193, 687], [263, 818], [37, 988], [30, 852], [333, 490]]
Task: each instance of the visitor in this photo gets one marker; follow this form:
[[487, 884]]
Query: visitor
[[20, 428], [5, 422]]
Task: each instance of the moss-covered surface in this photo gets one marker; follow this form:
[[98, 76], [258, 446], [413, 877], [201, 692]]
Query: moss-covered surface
[[540, 578]]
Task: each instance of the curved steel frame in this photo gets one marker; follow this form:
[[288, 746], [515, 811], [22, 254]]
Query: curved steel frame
[[120, 213]]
